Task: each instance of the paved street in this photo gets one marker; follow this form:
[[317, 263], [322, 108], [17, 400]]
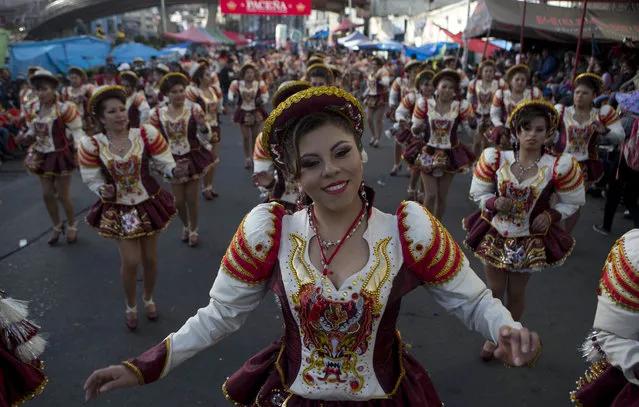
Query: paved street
[[76, 296]]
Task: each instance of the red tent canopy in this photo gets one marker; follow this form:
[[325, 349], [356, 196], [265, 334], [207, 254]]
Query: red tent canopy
[[193, 34], [237, 38], [475, 44], [345, 25]]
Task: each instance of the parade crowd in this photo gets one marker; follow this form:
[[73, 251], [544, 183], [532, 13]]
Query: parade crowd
[[535, 133]]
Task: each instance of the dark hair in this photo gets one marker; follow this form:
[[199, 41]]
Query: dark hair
[[170, 82], [528, 115], [197, 78], [307, 124], [38, 82], [320, 71], [100, 104]]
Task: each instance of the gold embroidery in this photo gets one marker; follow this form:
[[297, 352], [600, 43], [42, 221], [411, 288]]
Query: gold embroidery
[[299, 268]]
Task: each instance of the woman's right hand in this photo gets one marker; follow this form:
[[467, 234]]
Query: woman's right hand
[[107, 379], [107, 192], [263, 179], [503, 205]]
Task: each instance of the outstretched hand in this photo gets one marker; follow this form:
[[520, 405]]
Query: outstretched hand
[[107, 379], [517, 347]]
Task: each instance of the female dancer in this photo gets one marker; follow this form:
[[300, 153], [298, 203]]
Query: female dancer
[[505, 101], [612, 349], [376, 97], [250, 95], [412, 145], [319, 75], [152, 87], [437, 121], [275, 184], [78, 92], [136, 104], [51, 155], [516, 231], [203, 92], [27, 93], [480, 94], [401, 87], [581, 128], [337, 76], [339, 269], [183, 125], [132, 208]]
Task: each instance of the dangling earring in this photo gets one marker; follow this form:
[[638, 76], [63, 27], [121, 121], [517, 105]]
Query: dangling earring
[[301, 200], [362, 189]]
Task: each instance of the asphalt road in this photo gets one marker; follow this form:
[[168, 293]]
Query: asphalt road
[[76, 296]]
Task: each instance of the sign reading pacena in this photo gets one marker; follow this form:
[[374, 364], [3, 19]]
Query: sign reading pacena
[[267, 7]]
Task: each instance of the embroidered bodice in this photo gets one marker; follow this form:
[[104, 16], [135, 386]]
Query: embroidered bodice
[[27, 97], [181, 132], [480, 96], [378, 83], [248, 95], [55, 131], [503, 104], [442, 127], [579, 139], [343, 337], [209, 102], [130, 172], [493, 178], [399, 89], [79, 96]]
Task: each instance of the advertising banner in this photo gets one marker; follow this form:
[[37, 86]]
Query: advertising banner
[[267, 7]]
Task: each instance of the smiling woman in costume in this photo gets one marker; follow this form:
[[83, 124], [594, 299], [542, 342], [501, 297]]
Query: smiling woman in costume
[[516, 231], [133, 209], [339, 268]]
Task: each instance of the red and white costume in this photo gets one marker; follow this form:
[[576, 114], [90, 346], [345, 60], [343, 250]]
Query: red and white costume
[[140, 207], [284, 191], [27, 97], [613, 348], [442, 145], [404, 113], [377, 88], [481, 97], [505, 241], [580, 140], [55, 137], [340, 345], [138, 109], [185, 138], [79, 97], [250, 101], [211, 104], [503, 105]]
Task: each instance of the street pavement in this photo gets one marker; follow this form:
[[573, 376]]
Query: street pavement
[[76, 296]]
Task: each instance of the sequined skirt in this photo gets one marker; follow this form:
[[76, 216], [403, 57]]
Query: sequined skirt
[[53, 164], [200, 161], [412, 152], [260, 382], [19, 381], [147, 218], [376, 101], [451, 161], [522, 254], [605, 385]]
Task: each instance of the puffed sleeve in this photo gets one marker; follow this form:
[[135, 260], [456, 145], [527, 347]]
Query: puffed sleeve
[[143, 107], [239, 287], [483, 187], [395, 92], [72, 120], [467, 115], [471, 93], [384, 78], [89, 161], [568, 181], [405, 109], [496, 108], [420, 112], [435, 258], [609, 118], [263, 92], [154, 118], [159, 149], [261, 160], [233, 89]]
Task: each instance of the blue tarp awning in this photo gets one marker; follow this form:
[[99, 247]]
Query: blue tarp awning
[[58, 55], [429, 50], [177, 49], [382, 45], [321, 33], [129, 51], [353, 37]]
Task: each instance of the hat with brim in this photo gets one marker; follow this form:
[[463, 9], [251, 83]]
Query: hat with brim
[[547, 109], [287, 114], [203, 61], [197, 68], [450, 74], [162, 68], [33, 69], [288, 89], [44, 75], [246, 66], [103, 93], [320, 70], [590, 80], [412, 64], [378, 59], [335, 70], [138, 60], [485, 62], [520, 68], [171, 79], [315, 60], [129, 77], [76, 70], [422, 76]]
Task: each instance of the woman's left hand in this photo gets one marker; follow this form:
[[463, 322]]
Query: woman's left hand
[[599, 127], [517, 347], [200, 119], [541, 223]]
